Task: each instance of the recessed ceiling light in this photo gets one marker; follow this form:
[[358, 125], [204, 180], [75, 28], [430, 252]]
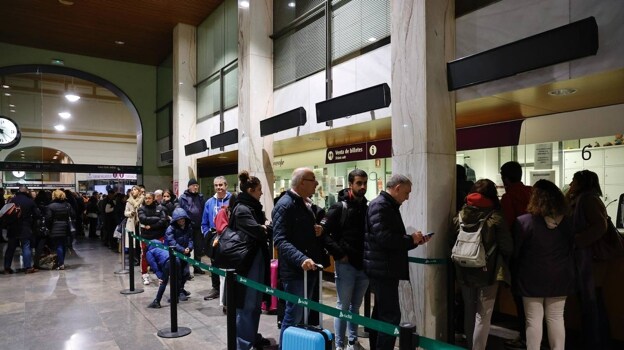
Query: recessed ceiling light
[[291, 4], [11, 105], [372, 39], [66, 2], [119, 42], [222, 157], [59, 127], [244, 4], [562, 92], [65, 115], [12, 111], [58, 152], [72, 97], [55, 157], [7, 94], [5, 86]]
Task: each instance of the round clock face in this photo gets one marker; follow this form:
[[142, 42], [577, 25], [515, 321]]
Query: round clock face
[[9, 133]]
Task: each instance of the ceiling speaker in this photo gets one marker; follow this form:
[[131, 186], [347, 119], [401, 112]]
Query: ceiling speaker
[[354, 103], [284, 121], [224, 139]]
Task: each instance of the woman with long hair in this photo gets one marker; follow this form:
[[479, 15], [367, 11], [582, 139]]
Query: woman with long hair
[[58, 214], [543, 249], [248, 219], [479, 285], [589, 221]]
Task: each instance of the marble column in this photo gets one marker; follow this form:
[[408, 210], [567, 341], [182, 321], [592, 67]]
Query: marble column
[[423, 145], [184, 111], [255, 98]]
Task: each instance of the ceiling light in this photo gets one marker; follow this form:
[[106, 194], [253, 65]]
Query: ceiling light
[[291, 4], [5, 86], [59, 127], [57, 62], [66, 2], [244, 4], [372, 39], [7, 94], [65, 115], [11, 105], [58, 152], [72, 97], [562, 92], [119, 42], [222, 157], [12, 111], [55, 157]]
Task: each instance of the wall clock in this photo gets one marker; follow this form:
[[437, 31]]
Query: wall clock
[[10, 134]]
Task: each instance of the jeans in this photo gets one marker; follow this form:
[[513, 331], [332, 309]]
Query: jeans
[[386, 309], [248, 317], [553, 309], [293, 314], [59, 244], [351, 285], [478, 308], [165, 280], [10, 252]]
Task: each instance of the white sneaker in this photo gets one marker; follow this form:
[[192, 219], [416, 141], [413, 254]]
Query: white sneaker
[[146, 279], [355, 346], [338, 348]]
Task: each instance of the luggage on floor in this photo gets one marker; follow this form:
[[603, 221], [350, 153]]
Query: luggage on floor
[[272, 307], [305, 337]]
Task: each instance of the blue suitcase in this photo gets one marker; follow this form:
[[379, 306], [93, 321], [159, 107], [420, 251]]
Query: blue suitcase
[[304, 337]]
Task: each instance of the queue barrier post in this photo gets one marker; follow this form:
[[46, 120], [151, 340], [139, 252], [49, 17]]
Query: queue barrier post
[[174, 331], [408, 338], [124, 270], [131, 290], [230, 301]]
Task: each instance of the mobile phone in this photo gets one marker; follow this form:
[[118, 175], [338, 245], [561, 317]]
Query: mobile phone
[[429, 234]]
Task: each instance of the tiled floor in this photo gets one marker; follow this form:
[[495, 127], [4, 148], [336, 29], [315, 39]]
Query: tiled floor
[[82, 308]]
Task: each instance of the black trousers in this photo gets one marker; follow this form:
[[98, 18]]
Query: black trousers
[[386, 309]]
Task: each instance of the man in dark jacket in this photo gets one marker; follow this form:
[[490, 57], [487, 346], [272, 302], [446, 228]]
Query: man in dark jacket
[[343, 230], [385, 255], [297, 238], [20, 231], [193, 203]]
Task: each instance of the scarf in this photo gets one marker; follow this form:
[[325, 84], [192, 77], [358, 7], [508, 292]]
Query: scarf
[[255, 205]]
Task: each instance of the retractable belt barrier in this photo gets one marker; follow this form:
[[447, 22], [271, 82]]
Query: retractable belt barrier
[[425, 343]]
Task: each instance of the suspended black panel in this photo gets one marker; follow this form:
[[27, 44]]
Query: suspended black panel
[[195, 147], [224, 139], [354, 103], [284, 121]]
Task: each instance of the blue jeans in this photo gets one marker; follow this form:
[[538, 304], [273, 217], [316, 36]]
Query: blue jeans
[[165, 280], [351, 285], [59, 243], [248, 318], [10, 252], [293, 314]]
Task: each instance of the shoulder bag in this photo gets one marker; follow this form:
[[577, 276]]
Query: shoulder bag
[[610, 246], [71, 224]]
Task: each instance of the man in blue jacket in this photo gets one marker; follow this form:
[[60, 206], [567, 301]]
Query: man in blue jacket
[[297, 238], [385, 255]]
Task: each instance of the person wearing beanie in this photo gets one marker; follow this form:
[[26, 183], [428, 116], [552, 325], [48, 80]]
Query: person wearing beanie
[[192, 201]]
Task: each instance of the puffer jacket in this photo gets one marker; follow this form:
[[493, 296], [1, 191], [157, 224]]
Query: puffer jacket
[[181, 238], [22, 228], [348, 239], [293, 235], [386, 240], [157, 258], [57, 216], [495, 231], [193, 203], [153, 216]]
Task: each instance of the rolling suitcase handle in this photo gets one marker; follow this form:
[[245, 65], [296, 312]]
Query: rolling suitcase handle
[[305, 293]]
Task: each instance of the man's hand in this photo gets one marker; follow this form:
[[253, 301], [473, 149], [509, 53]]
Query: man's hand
[[160, 282], [187, 251], [419, 238], [308, 264]]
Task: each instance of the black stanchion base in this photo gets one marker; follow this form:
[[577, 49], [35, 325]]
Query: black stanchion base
[[128, 291], [167, 333], [122, 272]]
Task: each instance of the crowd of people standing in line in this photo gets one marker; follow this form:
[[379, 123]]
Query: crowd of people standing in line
[[538, 242]]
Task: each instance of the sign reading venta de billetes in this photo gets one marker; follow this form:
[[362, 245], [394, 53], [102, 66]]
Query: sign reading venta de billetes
[[359, 151]]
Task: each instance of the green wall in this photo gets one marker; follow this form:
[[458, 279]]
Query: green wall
[[136, 80]]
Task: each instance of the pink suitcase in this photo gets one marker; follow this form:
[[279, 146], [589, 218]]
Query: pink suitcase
[[272, 309]]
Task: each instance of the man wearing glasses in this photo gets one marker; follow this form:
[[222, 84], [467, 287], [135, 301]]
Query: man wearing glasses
[[297, 238]]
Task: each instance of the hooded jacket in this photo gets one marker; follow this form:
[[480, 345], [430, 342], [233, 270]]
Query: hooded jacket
[[543, 250], [212, 207], [193, 203], [157, 258], [181, 238], [348, 239]]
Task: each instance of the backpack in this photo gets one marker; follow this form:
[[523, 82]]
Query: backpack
[[468, 250], [10, 213]]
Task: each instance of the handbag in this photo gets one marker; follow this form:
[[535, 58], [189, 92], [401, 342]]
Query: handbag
[[71, 224], [610, 246], [231, 250], [211, 240]]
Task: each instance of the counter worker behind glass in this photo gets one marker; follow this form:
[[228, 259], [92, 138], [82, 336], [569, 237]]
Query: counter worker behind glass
[[343, 233], [297, 238], [385, 255], [213, 205]]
